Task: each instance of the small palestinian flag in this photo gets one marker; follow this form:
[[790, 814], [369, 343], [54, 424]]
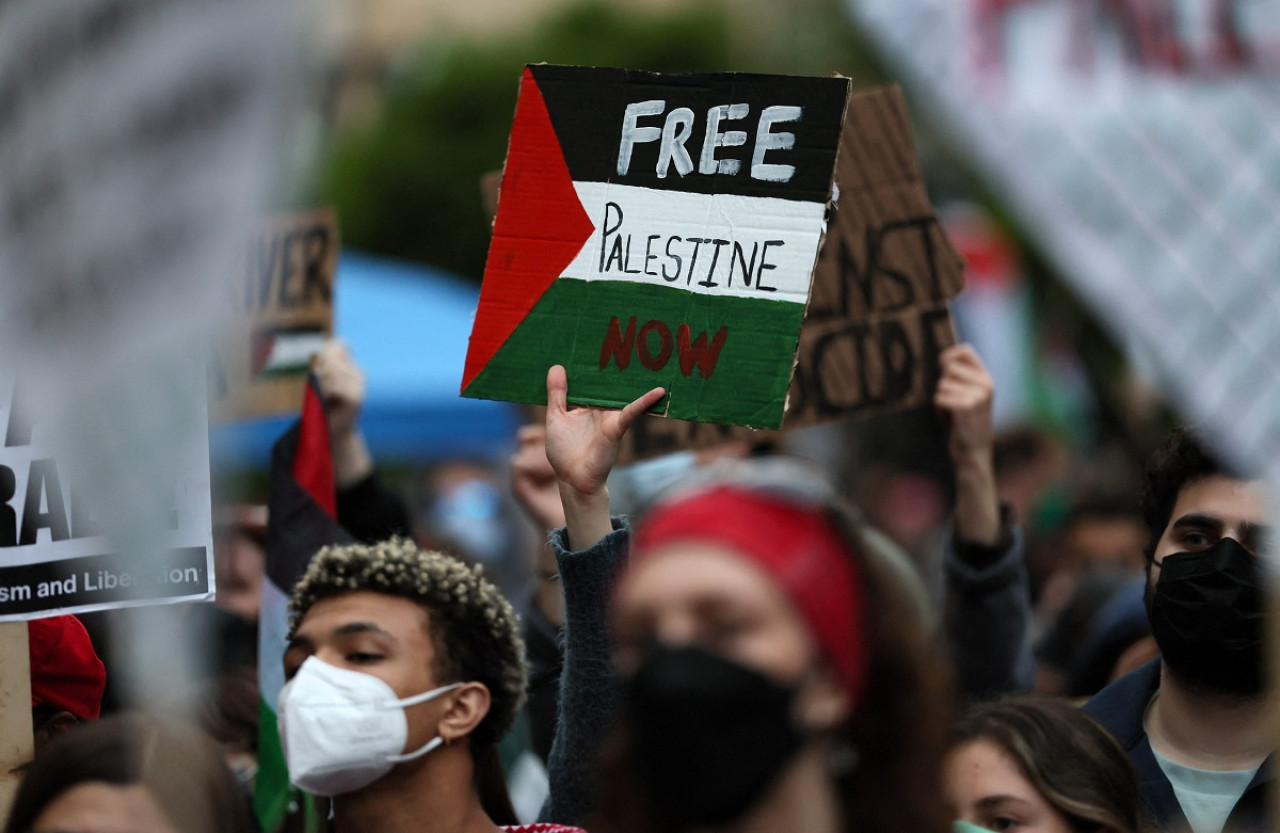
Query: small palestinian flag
[[657, 230], [285, 351]]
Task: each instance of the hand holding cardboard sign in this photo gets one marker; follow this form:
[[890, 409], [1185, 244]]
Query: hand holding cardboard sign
[[964, 396], [582, 446]]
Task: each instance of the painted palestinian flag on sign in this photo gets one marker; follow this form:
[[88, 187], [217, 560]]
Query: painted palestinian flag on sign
[[657, 230]]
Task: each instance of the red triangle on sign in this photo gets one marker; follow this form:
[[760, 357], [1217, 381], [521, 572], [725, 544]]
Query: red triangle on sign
[[540, 229]]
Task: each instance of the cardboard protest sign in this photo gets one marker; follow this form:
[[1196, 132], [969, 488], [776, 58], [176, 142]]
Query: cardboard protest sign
[[17, 744], [877, 316], [657, 230], [54, 555], [283, 307]]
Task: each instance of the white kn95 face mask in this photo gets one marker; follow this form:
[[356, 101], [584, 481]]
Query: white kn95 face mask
[[342, 730]]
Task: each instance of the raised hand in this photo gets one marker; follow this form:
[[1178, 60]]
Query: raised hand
[[965, 396], [343, 385], [582, 445]]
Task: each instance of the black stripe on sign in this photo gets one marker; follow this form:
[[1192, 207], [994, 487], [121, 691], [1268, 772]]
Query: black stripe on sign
[[588, 106], [102, 580]]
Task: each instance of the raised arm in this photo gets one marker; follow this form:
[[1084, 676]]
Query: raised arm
[[366, 508], [582, 445], [988, 605], [965, 396], [343, 385]]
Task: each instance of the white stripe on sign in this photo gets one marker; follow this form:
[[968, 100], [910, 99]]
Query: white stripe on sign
[[713, 244], [293, 351]]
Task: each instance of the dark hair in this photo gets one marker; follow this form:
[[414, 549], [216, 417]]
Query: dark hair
[[1178, 460], [473, 627], [1018, 447], [178, 765], [1074, 763], [473, 630], [893, 740], [898, 730]]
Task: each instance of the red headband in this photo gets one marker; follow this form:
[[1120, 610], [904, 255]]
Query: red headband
[[797, 546]]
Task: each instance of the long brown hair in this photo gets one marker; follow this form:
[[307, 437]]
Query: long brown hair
[[886, 757], [1074, 763]]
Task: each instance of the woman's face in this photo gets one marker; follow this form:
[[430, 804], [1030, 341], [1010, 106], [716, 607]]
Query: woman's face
[[987, 788], [99, 807], [696, 593]]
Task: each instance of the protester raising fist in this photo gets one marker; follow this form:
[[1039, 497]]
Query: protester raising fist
[[964, 396]]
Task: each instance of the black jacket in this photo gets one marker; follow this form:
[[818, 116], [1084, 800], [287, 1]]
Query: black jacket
[[1120, 707]]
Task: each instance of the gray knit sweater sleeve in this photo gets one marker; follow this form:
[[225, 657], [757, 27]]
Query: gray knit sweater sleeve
[[589, 687], [988, 619]]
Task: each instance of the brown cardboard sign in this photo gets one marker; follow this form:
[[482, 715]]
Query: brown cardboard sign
[[877, 316], [283, 308]]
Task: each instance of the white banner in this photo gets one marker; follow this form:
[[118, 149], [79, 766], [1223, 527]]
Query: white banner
[[56, 551], [139, 140], [1140, 143]]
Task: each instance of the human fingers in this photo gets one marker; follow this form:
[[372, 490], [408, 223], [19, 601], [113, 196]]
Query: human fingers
[[531, 462], [637, 407], [961, 403], [557, 390], [961, 352], [531, 433], [962, 376]]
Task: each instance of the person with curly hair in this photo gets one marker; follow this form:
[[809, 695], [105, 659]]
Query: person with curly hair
[[405, 667]]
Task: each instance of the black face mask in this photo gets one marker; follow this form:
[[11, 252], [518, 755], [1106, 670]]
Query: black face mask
[[709, 736], [1207, 617]]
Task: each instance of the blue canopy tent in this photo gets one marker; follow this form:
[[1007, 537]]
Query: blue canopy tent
[[407, 326]]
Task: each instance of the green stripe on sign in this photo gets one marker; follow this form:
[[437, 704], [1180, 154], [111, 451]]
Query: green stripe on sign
[[649, 335]]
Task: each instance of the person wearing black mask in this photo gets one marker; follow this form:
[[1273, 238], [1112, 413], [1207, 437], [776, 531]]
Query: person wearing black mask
[[1196, 721], [773, 665]]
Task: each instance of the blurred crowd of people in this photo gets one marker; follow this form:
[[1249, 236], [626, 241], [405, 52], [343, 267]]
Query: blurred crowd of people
[[744, 648]]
